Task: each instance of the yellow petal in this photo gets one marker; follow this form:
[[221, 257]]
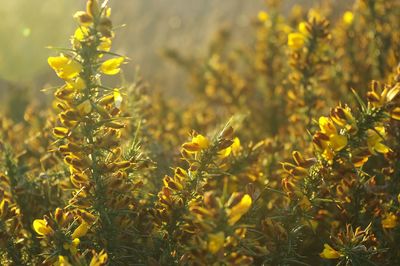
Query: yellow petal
[[77, 84], [393, 92], [81, 33], [262, 16], [338, 142], [296, 40], [112, 66], [60, 132], [99, 259], [395, 113], [76, 242], [303, 28], [40, 226], [66, 68], [216, 242], [224, 153], [237, 211], [348, 17], [235, 146], [80, 231], [201, 141], [326, 125], [62, 261], [105, 44], [381, 148], [329, 253]]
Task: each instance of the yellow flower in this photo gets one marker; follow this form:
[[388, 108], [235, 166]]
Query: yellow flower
[[99, 259], [60, 132], [296, 40], [224, 153], [262, 16], [329, 253], [62, 261], [395, 113], [105, 44], [201, 141], [241, 208], [336, 142], [81, 33], [303, 28], [235, 146], [112, 66], [390, 221], [348, 17], [42, 228], [66, 68], [77, 84], [80, 231], [216, 242], [374, 140]]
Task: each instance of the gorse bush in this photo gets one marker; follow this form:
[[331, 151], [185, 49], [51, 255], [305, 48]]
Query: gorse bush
[[119, 176]]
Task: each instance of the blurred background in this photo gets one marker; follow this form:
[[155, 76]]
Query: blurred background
[[150, 27]]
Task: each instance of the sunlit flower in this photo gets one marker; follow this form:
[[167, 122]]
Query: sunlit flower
[[112, 66], [238, 210], [335, 141], [375, 137], [296, 40], [348, 17], [66, 68], [262, 16], [99, 259], [80, 231]]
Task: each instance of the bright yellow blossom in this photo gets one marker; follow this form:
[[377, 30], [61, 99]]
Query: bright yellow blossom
[[80, 231], [336, 141], [303, 28], [237, 211], [105, 44], [42, 228], [112, 66], [374, 140], [348, 17], [99, 259], [262, 16], [66, 68], [296, 40], [201, 141]]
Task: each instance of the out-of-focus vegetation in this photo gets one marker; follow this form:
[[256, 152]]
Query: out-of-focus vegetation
[[287, 153], [149, 28]]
